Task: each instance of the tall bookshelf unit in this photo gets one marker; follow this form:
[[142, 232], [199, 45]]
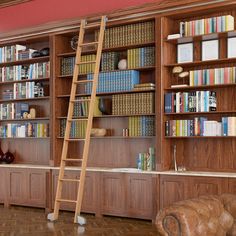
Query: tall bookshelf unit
[[201, 155], [114, 186]]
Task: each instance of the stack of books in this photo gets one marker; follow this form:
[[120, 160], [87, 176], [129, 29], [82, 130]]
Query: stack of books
[[7, 94], [146, 161], [144, 86], [131, 104]]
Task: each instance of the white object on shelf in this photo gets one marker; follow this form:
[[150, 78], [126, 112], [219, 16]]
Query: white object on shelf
[[122, 65], [185, 53], [231, 47], [173, 36], [210, 50]]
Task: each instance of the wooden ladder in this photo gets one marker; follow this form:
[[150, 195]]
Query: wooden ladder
[[64, 160]]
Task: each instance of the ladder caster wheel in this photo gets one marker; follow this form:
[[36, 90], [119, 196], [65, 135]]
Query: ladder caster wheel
[[80, 220], [51, 217]]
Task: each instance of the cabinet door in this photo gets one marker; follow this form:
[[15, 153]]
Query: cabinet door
[[172, 189], [206, 185], [113, 194], [36, 187], [16, 179], [140, 199], [3, 192], [70, 189]]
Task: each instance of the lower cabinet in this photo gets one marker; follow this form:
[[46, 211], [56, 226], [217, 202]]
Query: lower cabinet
[[130, 195], [175, 188], [3, 192], [26, 187], [70, 189]]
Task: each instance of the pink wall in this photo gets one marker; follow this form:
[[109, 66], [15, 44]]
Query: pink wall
[[38, 12]]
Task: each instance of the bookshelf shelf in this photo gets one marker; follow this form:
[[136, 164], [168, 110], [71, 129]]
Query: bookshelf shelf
[[118, 48], [201, 113], [202, 87], [147, 68], [26, 61], [24, 81], [200, 137], [25, 99], [119, 137], [203, 63], [107, 94], [202, 37], [25, 120], [111, 116]]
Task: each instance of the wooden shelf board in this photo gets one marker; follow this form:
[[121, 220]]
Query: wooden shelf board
[[203, 63], [118, 48], [26, 61], [24, 120], [190, 137], [201, 87], [118, 137], [200, 113], [24, 81], [107, 94], [196, 38], [26, 138], [109, 116], [24, 99], [146, 68]]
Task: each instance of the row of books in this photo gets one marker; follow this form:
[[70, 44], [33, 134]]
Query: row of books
[[213, 76], [207, 26], [78, 128], [140, 57], [136, 103], [196, 101], [115, 81], [14, 53], [23, 72], [146, 161], [142, 32], [200, 126], [27, 90], [109, 61], [141, 126], [82, 108], [13, 110], [29, 129]]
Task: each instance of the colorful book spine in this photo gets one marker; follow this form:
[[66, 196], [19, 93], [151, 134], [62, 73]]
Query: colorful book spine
[[146, 161]]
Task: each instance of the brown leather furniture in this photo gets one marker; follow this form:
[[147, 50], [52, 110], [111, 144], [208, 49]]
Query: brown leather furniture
[[204, 216]]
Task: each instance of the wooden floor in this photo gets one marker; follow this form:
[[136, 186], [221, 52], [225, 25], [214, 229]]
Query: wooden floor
[[21, 221]]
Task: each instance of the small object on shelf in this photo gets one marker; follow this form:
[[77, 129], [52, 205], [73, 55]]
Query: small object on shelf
[[173, 36], [8, 157], [105, 106], [210, 50], [36, 54], [25, 115], [122, 65], [184, 74], [231, 47], [125, 132], [98, 132], [38, 90], [185, 53], [44, 52], [177, 69], [32, 113], [74, 42]]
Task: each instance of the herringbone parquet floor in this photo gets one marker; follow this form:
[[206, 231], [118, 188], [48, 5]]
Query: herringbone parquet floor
[[21, 221]]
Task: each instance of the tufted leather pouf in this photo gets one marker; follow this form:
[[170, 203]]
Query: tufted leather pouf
[[203, 216]]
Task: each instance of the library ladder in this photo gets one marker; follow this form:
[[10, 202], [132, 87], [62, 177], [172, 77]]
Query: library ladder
[[64, 160]]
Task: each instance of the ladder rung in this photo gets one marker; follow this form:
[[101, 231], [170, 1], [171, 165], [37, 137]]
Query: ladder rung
[[88, 44], [75, 139], [70, 180], [81, 100], [86, 62], [83, 81], [70, 159], [77, 119], [66, 200], [91, 25]]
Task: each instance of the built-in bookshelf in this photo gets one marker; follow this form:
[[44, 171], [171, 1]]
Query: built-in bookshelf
[[25, 100], [189, 113], [119, 87]]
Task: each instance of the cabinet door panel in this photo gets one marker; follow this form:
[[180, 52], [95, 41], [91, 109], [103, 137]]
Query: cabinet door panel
[[3, 192], [17, 186], [206, 185], [172, 189], [36, 188], [113, 196], [140, 195]]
